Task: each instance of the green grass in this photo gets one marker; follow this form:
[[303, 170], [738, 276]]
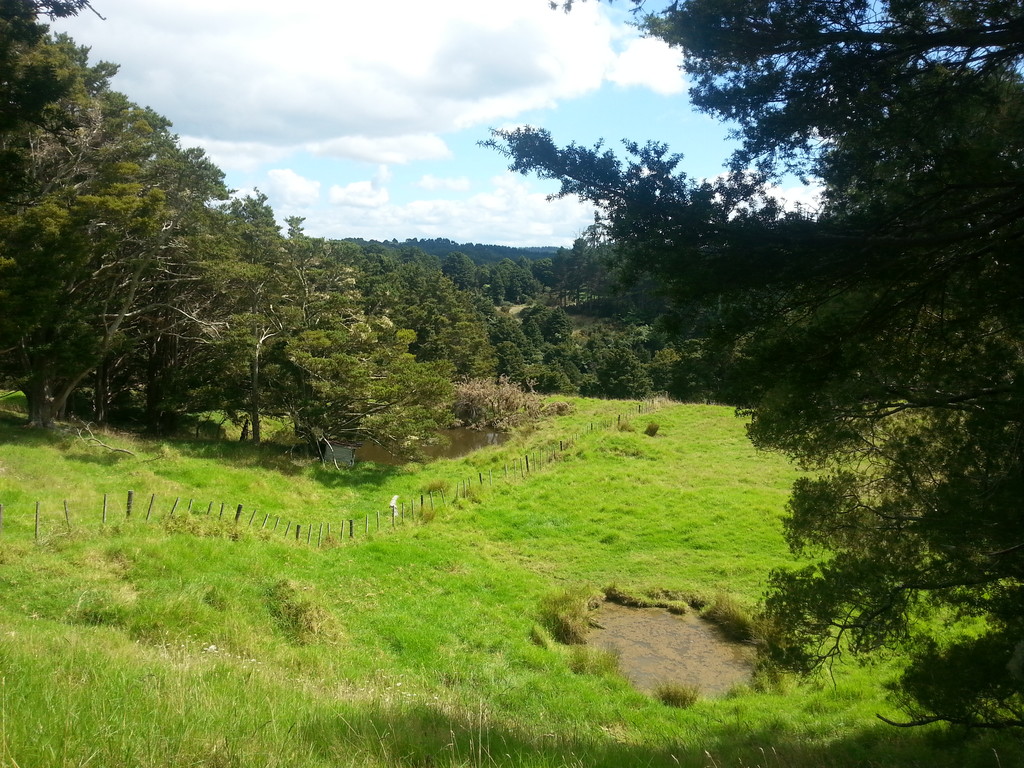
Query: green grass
[[186, 640]]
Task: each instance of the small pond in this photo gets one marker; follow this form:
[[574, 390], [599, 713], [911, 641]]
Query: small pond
[[655, 646], [455, 442]]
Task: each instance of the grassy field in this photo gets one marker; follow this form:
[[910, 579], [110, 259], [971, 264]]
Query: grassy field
[[188, 640]]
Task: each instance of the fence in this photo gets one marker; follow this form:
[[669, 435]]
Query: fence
[[47, 521]]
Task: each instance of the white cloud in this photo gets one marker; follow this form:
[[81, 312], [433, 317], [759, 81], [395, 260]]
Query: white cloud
[[806, 197], [509, 212], [244, 156], [363, 194], [286, 97], [394, 150], [291, 189], [434, 183], [271, 73], [650, 63]]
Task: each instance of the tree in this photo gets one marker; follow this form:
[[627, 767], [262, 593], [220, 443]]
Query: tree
[[31, 87], [95, 232], [879, 341]]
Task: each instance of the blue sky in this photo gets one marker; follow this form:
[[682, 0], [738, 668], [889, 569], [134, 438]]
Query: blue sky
[[365, 118]]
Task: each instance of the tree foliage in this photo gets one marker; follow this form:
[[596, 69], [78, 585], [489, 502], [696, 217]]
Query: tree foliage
[[878, 340]]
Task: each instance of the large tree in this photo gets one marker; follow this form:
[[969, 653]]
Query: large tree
[[97, 229], [878, 341]]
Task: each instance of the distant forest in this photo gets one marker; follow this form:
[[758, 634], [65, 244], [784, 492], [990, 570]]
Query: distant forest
[[481, 253]]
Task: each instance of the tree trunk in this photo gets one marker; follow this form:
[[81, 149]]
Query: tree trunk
[[46, 402], [254, 398]]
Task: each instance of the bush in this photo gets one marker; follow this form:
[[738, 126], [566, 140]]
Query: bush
[[677, 695], [566, 615], [652, 429], [733, 619], [481, 403], [301, 618]]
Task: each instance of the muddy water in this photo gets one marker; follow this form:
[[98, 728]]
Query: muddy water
[[655, 646], [455, 442]]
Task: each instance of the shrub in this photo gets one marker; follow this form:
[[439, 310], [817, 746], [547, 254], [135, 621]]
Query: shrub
[[652, 429], [733, 619], [677, 695], [501, 404], [566, 615], [301, 618]]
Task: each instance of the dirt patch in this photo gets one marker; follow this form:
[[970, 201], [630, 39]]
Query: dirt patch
[[655, 646]]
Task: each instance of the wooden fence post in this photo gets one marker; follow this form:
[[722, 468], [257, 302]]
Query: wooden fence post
[[238, 513], [320, 536], [251, 517], [174, 506], [152, 500], [67, 516], [351, 531], [298, 530], [128, 506], [37, 521]]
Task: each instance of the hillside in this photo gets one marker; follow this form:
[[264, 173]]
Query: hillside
[[188, 639]]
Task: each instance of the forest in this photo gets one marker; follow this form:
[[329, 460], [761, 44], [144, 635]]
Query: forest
[[140, 292]]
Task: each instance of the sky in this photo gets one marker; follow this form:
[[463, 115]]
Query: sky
[[366, 118]]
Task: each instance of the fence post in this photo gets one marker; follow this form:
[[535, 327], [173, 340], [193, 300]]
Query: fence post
[[238, 513], [253, 515], [267, 517], [152, 500], [174, 506], [67, 517], [1, 519], [37, 521], [320, 536], [128, 507], [298, 530], [351, 529], [104, 508]]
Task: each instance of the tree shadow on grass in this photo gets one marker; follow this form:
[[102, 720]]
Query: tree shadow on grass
[[417, 734]]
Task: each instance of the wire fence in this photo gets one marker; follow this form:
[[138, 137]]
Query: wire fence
[[43, 520]]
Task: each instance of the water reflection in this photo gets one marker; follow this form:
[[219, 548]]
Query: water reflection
[[455, 442]]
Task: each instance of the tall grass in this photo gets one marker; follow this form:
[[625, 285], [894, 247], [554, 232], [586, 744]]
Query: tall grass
[[185, 641]]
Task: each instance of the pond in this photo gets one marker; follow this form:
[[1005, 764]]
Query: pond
[[456, 442], [655, 646]]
